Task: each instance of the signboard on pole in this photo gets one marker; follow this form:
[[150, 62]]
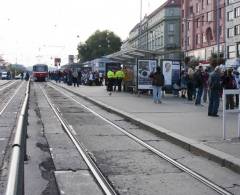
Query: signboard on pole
[[57, 61], [144, 69]]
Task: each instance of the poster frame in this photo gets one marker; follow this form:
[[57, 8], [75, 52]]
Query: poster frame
[[150, 85]]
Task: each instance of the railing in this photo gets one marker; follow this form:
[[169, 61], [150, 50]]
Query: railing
[[15, 183], [226, 111]]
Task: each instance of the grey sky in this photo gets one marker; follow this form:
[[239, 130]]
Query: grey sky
[[35, 30]]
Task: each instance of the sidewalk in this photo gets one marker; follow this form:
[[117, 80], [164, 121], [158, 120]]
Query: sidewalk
[[178, 119]]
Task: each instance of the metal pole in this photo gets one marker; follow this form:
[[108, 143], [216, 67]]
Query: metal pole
[[185, 40], [224, 115], [238, 115], [217, 28]]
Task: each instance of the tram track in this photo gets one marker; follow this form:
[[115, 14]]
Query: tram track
[[71, 132], [6, 100]]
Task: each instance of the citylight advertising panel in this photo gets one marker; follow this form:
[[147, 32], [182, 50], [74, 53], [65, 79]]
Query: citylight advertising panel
[[171, 71], [144, 69]]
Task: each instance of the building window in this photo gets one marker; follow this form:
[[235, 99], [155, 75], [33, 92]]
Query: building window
[[171, 39], [204, 40], [237, 12], [197, 8], [237, 29], [191, 10], [209, 16], [238, 50], [188, 25], [230, 15], [203, 4], [170, 27], [208, 2], [230, 1], [161, 40], [231, 51], [202, 20], [197, 39], [188, 41], [230, 32]]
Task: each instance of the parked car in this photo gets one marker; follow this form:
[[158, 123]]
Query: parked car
[[4, 75]]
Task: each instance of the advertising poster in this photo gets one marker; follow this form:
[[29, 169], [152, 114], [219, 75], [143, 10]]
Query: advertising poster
[[167, 71], [144, 69], [175, 72]]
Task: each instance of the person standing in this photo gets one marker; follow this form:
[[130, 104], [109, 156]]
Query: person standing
[[100, 78], [75, 76], [157, 84], [110, 77], [198, 77], [79, 78], [205, 85], [215, 88], [119, 77], [190, 84]]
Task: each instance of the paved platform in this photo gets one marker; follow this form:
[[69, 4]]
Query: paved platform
[[177, 119]]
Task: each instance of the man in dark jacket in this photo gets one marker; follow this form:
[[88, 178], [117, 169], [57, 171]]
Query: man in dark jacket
[[157, 84], [215, 88], [198, 77]]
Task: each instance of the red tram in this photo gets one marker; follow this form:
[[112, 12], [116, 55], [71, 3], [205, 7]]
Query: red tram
[[40, 72]]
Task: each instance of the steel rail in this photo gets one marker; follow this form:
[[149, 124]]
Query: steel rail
[[187, 170], [15, 182], [6, 85], [8, 102], [106, 187]]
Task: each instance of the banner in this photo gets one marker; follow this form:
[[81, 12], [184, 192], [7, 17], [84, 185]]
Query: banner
[[144, 69]]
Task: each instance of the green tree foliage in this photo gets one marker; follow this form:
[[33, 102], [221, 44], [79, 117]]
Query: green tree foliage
[[99, 44], [216, 60]]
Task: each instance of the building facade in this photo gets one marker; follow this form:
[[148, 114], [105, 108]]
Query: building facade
[[159, 31], [232, 33], [200, 24]]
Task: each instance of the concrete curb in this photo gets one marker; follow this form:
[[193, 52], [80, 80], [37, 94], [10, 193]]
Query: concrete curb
[[191, 145]]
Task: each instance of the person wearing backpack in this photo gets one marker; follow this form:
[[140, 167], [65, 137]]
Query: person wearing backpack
[[215, 89], [157, 84]]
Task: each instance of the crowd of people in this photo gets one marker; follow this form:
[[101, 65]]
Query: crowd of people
[[78, 77], [201, 84]]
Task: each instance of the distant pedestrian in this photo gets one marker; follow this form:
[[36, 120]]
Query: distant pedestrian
[[110, 77], [205, 85], [79, 78], [75, 77], [190, 84], [198, 80], [119, 78], [21, 75], [157, 84], [215, 89], [100, 78]]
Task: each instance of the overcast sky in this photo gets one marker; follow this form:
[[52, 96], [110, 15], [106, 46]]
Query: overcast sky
[[33, 31]]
